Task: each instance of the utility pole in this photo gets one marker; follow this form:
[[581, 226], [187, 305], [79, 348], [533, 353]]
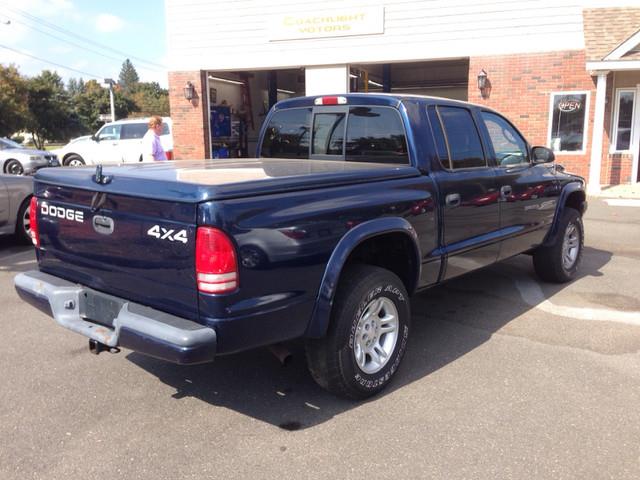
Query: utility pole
[[110, 83]]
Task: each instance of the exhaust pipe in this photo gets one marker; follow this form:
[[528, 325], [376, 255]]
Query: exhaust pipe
[[282, 353], [96, 347]]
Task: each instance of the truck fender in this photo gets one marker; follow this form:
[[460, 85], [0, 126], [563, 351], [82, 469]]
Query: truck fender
[[580, 205], [347, 244]]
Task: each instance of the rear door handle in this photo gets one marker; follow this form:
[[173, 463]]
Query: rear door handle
[[452, 200]]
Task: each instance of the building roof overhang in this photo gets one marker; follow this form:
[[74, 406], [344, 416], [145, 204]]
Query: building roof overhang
[[612, 39]]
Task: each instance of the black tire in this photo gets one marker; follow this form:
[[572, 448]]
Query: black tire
[[22, 233], [559, 262], [13, 167], [338, 362], [74, 161]]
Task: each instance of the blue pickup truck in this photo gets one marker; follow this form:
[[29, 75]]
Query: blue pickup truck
[[353, 204]]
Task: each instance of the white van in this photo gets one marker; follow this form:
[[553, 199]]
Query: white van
[[115, 142]]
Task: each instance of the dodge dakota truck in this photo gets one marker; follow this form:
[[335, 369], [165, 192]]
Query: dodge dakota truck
[[352, 204]]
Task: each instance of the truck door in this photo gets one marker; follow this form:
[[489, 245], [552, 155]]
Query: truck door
[[131, 141], [106, 148], [528, 191], [468, 192]]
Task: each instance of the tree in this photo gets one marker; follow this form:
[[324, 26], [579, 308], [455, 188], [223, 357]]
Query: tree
[[13, 101], [75, 86], [150, 99], [50, 116], [128, 78], [95, 100]]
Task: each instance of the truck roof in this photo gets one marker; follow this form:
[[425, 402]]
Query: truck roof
[[382, 99]]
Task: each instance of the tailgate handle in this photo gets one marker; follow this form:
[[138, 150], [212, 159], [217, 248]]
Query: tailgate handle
[[102, 224]]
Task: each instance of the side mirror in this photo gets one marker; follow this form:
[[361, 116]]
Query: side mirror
[[542, 155], [95, 138]]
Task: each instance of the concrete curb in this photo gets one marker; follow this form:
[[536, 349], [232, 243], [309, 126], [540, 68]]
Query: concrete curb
[[631, 191]]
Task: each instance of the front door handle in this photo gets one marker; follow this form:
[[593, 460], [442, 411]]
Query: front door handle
[[452, 200], [505, 191]]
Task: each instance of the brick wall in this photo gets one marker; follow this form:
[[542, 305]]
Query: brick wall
[[521, 87], [190, 121]]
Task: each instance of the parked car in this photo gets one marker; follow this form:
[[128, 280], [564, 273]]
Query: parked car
[[115, 142], [16, 159], [15, 194]]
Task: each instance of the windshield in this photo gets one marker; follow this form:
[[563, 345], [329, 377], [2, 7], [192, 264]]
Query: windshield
[[6, 143]]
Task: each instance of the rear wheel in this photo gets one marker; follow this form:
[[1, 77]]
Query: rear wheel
[[559, 262], [74, 161], [13, 167], [367, 336], [23, 223]]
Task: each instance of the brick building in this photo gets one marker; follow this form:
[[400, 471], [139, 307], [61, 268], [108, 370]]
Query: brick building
[[566, 75]]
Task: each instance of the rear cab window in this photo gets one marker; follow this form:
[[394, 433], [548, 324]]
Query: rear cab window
[[349, 133]]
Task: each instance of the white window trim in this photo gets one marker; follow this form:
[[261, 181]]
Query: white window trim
[[586, 122], [616, 116]]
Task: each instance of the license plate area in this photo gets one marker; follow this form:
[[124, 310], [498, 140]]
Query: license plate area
[[99, 307]]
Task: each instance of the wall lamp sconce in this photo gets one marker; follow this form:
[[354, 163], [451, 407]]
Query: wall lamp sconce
[[189, 91], [484, 84]]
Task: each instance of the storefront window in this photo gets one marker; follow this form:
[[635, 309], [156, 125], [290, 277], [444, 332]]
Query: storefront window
[[568, 121], [623, 120]]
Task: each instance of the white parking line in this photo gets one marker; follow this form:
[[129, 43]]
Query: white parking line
[[532, 294], [30, 251], [26, 262], [622, 202]]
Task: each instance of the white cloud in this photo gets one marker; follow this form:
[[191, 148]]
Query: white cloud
[[107, 23]]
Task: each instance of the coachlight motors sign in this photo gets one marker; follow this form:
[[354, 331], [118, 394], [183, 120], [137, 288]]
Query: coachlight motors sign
[[327, 23]]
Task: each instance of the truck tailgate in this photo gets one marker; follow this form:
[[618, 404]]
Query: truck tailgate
[[139, 249]]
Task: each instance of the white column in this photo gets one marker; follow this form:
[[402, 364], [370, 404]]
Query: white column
[[593, 187], [326, 80]]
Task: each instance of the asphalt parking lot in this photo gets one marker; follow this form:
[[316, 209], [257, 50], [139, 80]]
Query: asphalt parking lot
[[504, 377]]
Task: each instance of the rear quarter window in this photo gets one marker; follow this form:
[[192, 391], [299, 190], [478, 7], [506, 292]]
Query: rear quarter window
[[375, 134]]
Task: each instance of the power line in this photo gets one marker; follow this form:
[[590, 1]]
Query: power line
[[52, 63], [52, 26], [74, 44]]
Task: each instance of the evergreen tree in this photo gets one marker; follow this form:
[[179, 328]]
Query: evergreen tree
[[128, 78]]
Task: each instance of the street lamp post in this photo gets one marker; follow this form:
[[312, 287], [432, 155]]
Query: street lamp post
[[110, 83]]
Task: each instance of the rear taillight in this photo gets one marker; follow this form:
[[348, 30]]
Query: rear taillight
[[169, 155], [330, 101], [33, 222], [216, 261]]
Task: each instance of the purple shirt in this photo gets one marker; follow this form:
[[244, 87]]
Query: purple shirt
[[151, 146]]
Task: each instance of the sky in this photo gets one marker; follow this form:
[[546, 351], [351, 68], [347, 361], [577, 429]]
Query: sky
[[83, 38]]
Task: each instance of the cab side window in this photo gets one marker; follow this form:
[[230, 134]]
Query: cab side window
[[462, 139], [509, 147], [109, 133], [133, 130]]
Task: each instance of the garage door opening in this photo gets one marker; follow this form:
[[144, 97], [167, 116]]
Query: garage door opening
[[438, 78], [238, 104]]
